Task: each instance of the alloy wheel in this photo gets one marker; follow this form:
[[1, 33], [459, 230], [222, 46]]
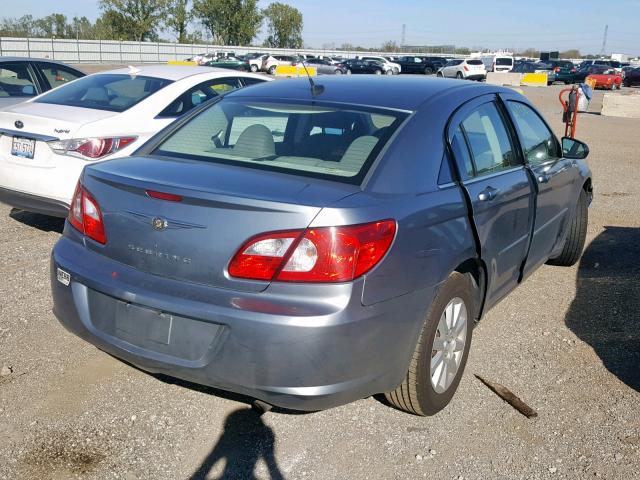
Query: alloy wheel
[[448, 345]]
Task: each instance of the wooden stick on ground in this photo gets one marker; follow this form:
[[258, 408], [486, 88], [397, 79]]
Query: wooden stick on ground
[[505, 394]]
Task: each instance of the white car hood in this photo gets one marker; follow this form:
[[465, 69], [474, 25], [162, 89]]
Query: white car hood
[[60, 121]]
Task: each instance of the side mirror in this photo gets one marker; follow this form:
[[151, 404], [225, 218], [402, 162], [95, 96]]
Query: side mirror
[[574, 149]]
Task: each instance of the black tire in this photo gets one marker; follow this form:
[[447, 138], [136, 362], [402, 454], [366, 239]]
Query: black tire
[[459, 76], [337, 71], [378, 72], [439, 74], [574, 243], [348, 72], [428, 71], [416, 394], [272, 70], [389, 72], [254, 68]]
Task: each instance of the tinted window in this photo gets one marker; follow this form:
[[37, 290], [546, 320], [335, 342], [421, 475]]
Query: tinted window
[[461, 152], [475, 62], [339, 143], [16, 80], [537, 141], [58, 75], [200, 94], [113, 92], [489, 141], [502, 61]]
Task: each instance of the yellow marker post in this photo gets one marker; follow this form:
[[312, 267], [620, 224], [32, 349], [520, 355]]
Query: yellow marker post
[[294, 71], [535, 79], [182, 62]]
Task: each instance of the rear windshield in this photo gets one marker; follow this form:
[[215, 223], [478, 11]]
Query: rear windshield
[[112, 92], [321, 141], [475, 62], [502, 61]]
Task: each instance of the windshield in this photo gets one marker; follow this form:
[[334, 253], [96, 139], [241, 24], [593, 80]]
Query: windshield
[[338, 143], [112, 92], [502, 61]]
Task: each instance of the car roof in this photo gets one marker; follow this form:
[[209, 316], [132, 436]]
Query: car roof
[[170, 72], [31, 59], [397, 92]]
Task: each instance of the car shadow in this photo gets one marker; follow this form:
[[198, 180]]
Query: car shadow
[[606, 310], [245, 440], [36, 220]]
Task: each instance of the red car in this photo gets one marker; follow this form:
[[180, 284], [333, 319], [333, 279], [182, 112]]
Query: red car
[[610, 81]]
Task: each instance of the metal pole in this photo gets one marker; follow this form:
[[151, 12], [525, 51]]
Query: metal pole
[[120, 47], [53, 50], [28, 47], [100, 49], [158, 52]]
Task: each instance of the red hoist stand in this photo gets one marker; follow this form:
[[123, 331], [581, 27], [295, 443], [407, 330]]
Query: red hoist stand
[[570, 107]]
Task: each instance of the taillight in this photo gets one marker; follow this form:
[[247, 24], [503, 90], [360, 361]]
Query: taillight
[[85, 215], [556, 69], [465, 68], [91, 148], [325, 254], [573, 70]]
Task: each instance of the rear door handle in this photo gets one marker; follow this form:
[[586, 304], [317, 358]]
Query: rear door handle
[[488, 194]]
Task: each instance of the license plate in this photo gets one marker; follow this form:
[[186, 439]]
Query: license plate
[[23, 147]]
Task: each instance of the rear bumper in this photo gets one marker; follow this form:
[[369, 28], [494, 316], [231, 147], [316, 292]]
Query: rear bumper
[[476, 77], [34, 203], [315, 349]]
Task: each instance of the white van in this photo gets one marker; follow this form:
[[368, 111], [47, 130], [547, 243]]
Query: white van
[[498, 63]]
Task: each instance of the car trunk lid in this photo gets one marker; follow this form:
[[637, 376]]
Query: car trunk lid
[[220, 208]]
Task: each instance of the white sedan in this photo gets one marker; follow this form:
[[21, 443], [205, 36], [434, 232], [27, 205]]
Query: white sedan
[[46, 142]]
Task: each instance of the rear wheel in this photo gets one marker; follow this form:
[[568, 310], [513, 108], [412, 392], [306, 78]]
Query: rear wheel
[[439, 74], [254, 68], [574, 243], [348, 72], [459, 76], [378, 72], [442, 350], [337, 71], [389, 72], [428, 71], [272, 70]]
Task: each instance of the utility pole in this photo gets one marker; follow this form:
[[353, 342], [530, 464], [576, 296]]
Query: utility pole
[[404, 36], [604, 41]]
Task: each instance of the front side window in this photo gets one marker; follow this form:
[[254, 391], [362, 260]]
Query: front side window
[[109, 91], [539, 144], [16, 80], [338, 143], [58, 75], [488, 140]]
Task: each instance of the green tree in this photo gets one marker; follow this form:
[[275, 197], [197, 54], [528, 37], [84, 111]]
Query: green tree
[[231, 22], [133, 19], [54, 25], [284, 24], [178, 17], [18, 27], [81, 28], [530, 53]]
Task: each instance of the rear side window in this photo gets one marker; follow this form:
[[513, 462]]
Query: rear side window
[[322, 141], [539, 144], [112, 92], [489, 141], [200, 94], [16, 80], [461, 152]]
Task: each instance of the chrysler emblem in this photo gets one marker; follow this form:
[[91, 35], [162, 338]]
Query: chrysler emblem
[[159, 223], [18, 124]]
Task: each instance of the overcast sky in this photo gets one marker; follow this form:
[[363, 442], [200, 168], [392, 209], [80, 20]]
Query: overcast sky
[[542, 24]]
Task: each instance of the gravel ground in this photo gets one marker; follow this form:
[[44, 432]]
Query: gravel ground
[[566, 342]]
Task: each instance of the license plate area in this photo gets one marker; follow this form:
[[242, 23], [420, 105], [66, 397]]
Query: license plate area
[[134, 323], [23, 147]]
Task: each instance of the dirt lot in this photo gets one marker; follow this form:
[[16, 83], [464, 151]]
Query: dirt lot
[[567, 342]]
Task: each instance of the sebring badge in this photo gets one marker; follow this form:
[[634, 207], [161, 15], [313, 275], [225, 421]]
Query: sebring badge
[[159, 223]]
